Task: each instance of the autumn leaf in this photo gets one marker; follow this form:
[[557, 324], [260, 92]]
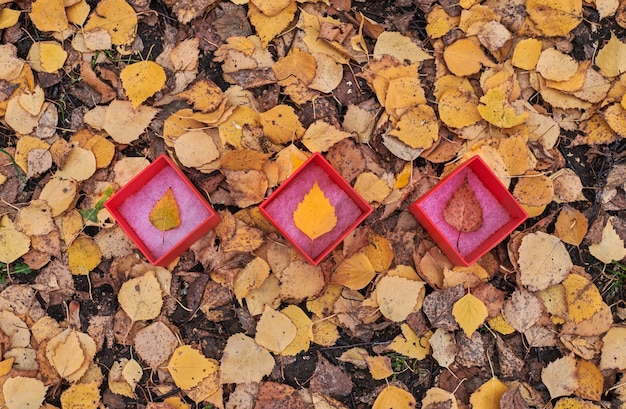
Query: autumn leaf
[[141, 297], [189, 367], [165, 215], [142, 80], [463, 210], [21, 392], [470, 312], [315, 215], [394, 397]]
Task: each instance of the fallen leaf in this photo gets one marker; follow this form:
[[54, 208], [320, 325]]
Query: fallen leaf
[[355, 356], [443, 347], [575, 403], [470, 313], [354, 272], [458, 108], [21, 392], [543, 261], [613, 355], [590, 381], [189, 367], [465, 57], [614, 117], [372, 188], [155, 343], [251, 277], [83, 256], [79, 165], [522, 310], [123, 377], [301, 281], [186, 148], [399, 46], [379, 367], [393, 397], [495, 109], [46, 56], [611, 247], [34, 219], [611, 58], [275, 331], [304, 333], [321, 136], [142, 80], [330, 379], [559, 377], [124, 123], [70, 353], [555, 18], [583, 298], [315, 214], [463, 210], [555, 65], [397, 297], [488, 395], [437, 397], [117, 17], [244, 361], [141, 297], [268, 27], [281, 124], [83, 396], [165, 214], [49, 15], [410, 344], [417, 127]]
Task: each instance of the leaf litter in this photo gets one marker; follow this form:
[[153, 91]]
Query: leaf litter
[[545, 113]]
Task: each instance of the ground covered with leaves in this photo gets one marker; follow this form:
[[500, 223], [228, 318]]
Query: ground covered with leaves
[[395, 95]]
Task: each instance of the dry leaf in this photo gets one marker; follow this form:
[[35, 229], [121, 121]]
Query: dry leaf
[[13, 244], [251, 277], [155, 343], [590, 381], [495, 109], [186, 148], [372, 188], [354, 272], [463, 211], [165, 214], [575, 403], [79, 165], [443, 347], [46, 56], [410, 344], [583, 298], [379, 367], [394, 397], [560, 377], [189, 367], [304, 333], [488, 395], [555, 18], [522, 310], [244, 361], [49, 15], [611, 246], [21, 392], [543, 261], [83, 256], [613, 354], [397, 297], [315, 215], [418, 127], [612, 57], [281, 124], [470, 312], [275, 331], [268, 27], [124, 123], [321, 136], [466, 57], [83, 396], [117, 17], [555, 65], [399, 46], [458, 108], [141, 297], [142, 80]]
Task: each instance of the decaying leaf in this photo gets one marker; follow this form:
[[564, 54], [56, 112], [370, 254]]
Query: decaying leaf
[[560, 377], [141, 80], [394, 397]]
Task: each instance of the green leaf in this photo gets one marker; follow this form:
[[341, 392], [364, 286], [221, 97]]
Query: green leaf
[[92, 214]]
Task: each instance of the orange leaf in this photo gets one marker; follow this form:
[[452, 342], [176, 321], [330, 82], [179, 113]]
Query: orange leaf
[[463, 211], [315, 215], [165, 214]]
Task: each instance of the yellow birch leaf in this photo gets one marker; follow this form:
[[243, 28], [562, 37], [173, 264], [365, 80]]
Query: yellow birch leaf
[[6, 366], [611, 58], [275, 331], [46, 56], [354, 272], [204, 94], [398, 297], [470, 312], [560, 377], [582, 296], [325, 332], [49, 15], [67, 357], [458, 108], [268, 27], [372, 188], [141, 297], [13, 244], [499, 324], [410, 344], [9, 17], [126, 124], [439, 22], [304, 330], [21, 392], [251, 277], [555, 65], [79, 165], [117, 17], [543, 261], [393, 397], [613, 353], [596, 131], [590, 380], [451, 82], [281, 124], [437, 397], [83, 256], [526, 54], [399, 46], [231, 130], [165, 214], [496, 110], [321, 136], [82, 395], [404, 177], [244, 361], [77, 13], [488, 395], [186, 148], [379, 366], [555, 17], [141, 80], [315, 215], [271, 8], [296, 65], [575, 403], [189, 367], [517, 157], [328, 74], [465, 57], [418, 127], [611, 246], [379, 251], [615, 117]]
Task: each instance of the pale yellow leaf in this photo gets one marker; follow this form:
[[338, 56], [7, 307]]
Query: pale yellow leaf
[[437, 397], [9, 17], [555, 17], [252, 276], [186, 148], [244, 361], [46, 56], [83, 396], [275, 331], [470, 313], [354, 272], [13, 244], [21, 392], [488, 395], [372, 188], [555, 65], [612, 57], [495, 109], [560, 377], [393, 397], [575, 403], [399, 46], [410, 344], [611, 246], [141, 297], [321, 136], [315, 215], [268, 27], [15, 328], [79, 165], [543, 261], [613, 353], [443, 346], [189, 367], [304, 327], [379, 366], [398, 297], [126, 124], [35, 219]]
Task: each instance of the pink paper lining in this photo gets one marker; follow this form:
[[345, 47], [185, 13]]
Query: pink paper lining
[[494, 214], [281, 208], [136, 210]]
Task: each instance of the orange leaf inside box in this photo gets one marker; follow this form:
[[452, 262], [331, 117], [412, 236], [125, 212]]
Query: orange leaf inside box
[[160, 227], [315, 208], [464, 239]]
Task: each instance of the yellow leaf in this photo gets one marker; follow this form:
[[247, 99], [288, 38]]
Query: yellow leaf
[[6, 366], [165, 214], [354, 272], [304, 327], [204, 94], [410, 344], [117, 17], [271, 8], [437, 397], [590, 381], [325, 333], [612, 57], [615, 117], [83, 256], [393, 397], [13, 244], [189, 367], [141, 297], [67, 357], [555, 17], [439, 22], [379, 252], [141, 80], [451, 82], [470, 312], [379, 366], [49, 15], [499, 324], [77, 13], [543, 261], [82, 395], [9, 17], [268, 27], [372, 188], [555, 65], [465, 57], [418, 127], [488, 395], [398, 297], [281, 124], [126, 124], [275, 331], [517, 157], [575, 403], [315, 215], [251, 277], [186, 148], [231, 130], [458, 108], [244, 361], [296, 65], [21, 392], [79, 165], [404, 177], [321, 136], [399, 46], [496, 110], [596, 131], [560, 377], [582, 296], [328, 74], [526, 53], [611, 246], [46, 56]]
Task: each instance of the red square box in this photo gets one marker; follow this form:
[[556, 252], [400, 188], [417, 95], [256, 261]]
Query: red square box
[[501, 212], [350, 208], [131, 206]]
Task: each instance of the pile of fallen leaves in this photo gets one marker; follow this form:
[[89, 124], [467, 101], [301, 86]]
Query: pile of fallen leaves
[[240, 93]]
